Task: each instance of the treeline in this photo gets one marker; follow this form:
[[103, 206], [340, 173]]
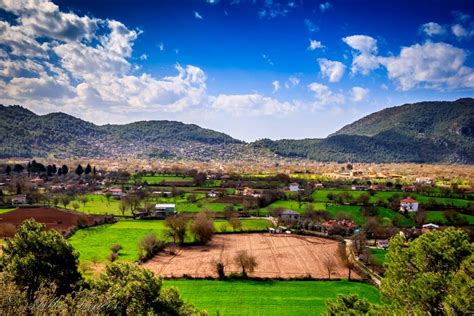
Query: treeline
[[37, 168]]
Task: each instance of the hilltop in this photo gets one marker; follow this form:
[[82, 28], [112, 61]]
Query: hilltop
[[425, 132]]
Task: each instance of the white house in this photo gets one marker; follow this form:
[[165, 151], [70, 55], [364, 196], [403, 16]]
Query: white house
[[212, 194], [408, 205], [294, 187], [116, 191], [19, 199], [165, 209]]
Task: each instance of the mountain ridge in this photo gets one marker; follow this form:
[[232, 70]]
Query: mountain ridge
[[430, 131]]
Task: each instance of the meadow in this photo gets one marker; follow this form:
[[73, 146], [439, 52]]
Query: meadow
[[378, 256], [93, 244], [247, 297], [157, 179]]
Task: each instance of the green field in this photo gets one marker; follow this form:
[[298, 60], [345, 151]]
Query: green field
[[378, 255], [93, 244], [267, 297], [156, 179], [438, 217], [4, 210]]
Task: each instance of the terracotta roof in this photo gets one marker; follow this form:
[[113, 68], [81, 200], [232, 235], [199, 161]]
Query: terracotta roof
[[409, 200]]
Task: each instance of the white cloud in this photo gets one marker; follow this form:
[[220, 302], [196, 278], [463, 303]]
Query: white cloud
[[276, 86], [197, 15], [251, 105], [325, 6], [460, 32], [143, 56], [433, 29], [292, 81], [365, 59], [359, 94], [161, 47], [333, 70], [325, 96], [314, 44], [430, 65], [267, 59], [311, 26]]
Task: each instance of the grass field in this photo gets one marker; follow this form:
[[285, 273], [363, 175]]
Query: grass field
[[156, 179], [267, 297], [439, 218], [4, 210], [378, 255], [94, 243]]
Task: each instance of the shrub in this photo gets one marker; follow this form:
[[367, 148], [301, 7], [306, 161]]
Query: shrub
[[112, 256], [115, 248], [149, 246], [202, 228]]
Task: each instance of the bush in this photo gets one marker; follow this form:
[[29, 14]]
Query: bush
[[202, 228], [115, 248], [220, 268], [112, 256], [149, 246]]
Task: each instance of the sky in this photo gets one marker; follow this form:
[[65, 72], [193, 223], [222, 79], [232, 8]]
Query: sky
[[251, 69]]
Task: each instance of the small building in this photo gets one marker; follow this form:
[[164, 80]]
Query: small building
[[429, 227], [294, 187], [359, 187], [289, 215], [116, 192], [212, 194], [382, 244], [408, 205], [425, 180], [165, 209], [318, 186], [19, 199]]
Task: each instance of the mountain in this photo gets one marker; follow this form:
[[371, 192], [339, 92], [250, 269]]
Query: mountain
[[25, 134], [425, 132]]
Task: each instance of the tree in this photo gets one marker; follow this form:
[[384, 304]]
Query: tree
[[88, 169], [108, 196], [246, 261], [350, 304], [64, 170], [8, 170], [176, 228], [75, 206], [17, 168], [65, 199], [35, 256], [83, 199], [127, 289], [329, 265], [79, 170], [431, 263], [149, 246], [202, 228], [459, 300], [123, 206], [235, 223]]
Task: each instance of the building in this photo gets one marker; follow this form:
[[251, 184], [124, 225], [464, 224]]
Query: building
[[212, 194], [165, 209], [19, 199], [116, 192], [359, 187], [289, 215], [408, 205], [429, 227], [294, 187]]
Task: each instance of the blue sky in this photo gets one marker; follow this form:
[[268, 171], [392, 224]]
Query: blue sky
[[252, 69]]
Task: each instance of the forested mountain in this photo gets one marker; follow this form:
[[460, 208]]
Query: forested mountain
[[419, 132], [426, 132]]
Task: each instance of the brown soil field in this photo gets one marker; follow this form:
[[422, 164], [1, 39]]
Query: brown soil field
[[278, 256], [63, 221]]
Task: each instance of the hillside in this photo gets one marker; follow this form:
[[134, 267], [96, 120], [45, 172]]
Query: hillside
[[425, 132], [420, 132]]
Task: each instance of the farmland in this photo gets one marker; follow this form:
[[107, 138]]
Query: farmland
[[278, 256], [267, 297], [93, 244]]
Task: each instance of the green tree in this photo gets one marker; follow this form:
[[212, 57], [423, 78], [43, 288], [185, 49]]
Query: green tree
[[350, 304], [79, 170], [35, 256], [176, 228], [459, 299], [8, 169], [88, 169], [202, 228], [64, 170], [419, 274]]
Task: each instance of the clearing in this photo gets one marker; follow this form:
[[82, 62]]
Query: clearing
[[278, 256]]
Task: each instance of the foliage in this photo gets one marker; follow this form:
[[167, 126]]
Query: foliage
[[35, 256], [202, 228], [247, 262], [176, 228], [149, 246], [419, 274]]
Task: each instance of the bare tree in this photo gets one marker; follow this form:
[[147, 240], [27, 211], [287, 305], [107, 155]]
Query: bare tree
[[330, 265], [202, 228], [123, 206], [235, 223], [246, 261]]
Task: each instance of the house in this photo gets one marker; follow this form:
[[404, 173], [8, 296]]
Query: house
[[359, 187], [165, 209], [19, 199], [382, 244], [294, 187], [409, 188], [212, 194], [116, 192], [425, 180], [429, 227], [408, 205], [289, 215], [347, 224], [318, 186]]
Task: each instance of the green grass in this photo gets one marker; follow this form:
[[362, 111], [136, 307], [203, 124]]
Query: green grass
[[93, 244], [268, 297], [98, 204], [353, 211], [4, 210], [378, 255], [438, 217], [156, 179]]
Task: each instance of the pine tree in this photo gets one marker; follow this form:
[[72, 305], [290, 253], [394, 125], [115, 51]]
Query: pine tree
[[79, 170], [8, 169], [88, 169]]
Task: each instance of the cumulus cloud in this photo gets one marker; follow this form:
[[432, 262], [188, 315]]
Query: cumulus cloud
[[314, 44], [323, 95], [430, 65], [251, 105], [310, 26], [333, 70], [325, 6], [433, 29], [276, 86], [359, 94], [197, 15], [461, 32], [365, 48], [292, 81]]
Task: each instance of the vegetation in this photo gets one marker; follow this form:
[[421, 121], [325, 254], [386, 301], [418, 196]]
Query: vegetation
[[244, 297]]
